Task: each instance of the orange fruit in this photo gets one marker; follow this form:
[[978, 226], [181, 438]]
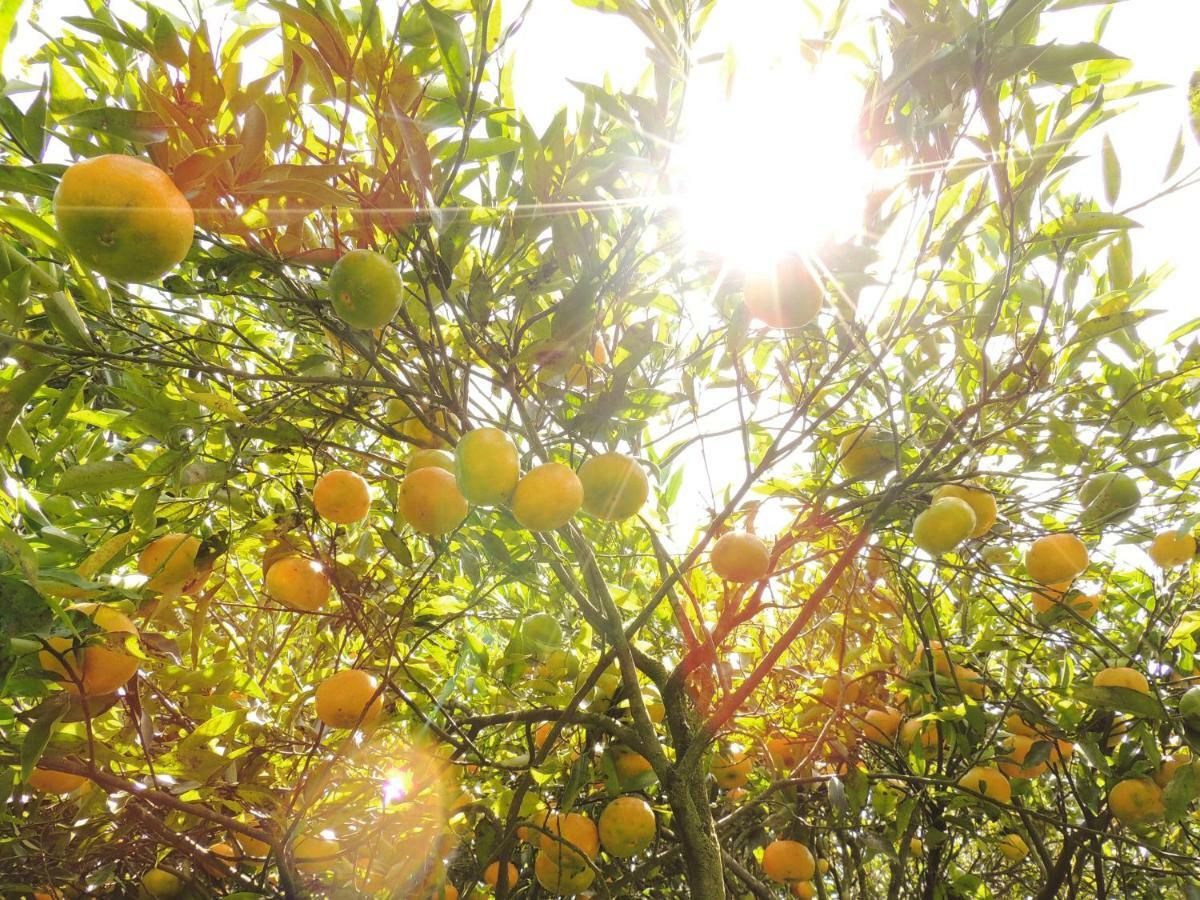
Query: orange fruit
[[867, 453], [615, 487], [731, 770], [569, 831], [1012, 763], [315, 854], [923, 730], [221, 860], [431, 502], [415, 429], [627, 826], [491, 874], [1123, 677], [169, 562], [628, 764], [804, 890], [1045, 597], [787, 753], [944, 525], [987, 781], [49, 781], [881, 725], [101, 667], [252, 847], [342, 497], [123, 218], [788, 861], [740, 557], [981, 501], [836, 691], [786, 297], [1109, 497], [916, 846], [348, 696], [1013, 847], [487, 466], [365, 289], [562, 881], [420, 459], [1055, 558], [1136, 801], [547, 497], [1170, 549], [161, 884], [1171, 765], [299, 583]]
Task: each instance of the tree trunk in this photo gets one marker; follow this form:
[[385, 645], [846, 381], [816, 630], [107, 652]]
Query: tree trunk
[[697, 833]]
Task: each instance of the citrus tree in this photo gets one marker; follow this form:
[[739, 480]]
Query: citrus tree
[[395, 505]]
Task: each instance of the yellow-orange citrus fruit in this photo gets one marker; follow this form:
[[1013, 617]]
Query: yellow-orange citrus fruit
[[421, 459], [491, 874], [1123, 677], [365, 289], [837, 691], [628, 764], [788, 861], [299, 583], [786, 297], [48, 781], [822, 865], [1013, 847], [627, 826], [315, 854], [1170, 549], [347, 699], [487, 466], [867, 453], [1014, 724], [731, 770], [1171, 765], [412, 427], [1016, 749], [252, 847], [944, 525], [988, 781], [981, 501], [923, 731], [916, 846], [880, 726], [804, 890], [740, 557], [123, 218], [431, 502], [1136, 801], [547, 497], [787, 753], [1109, 497], [161, 884], [100, 668], [569, 834], [614, 486], [169, 562], [561, 881], [1055, 558], [445, 891], [342, 497]]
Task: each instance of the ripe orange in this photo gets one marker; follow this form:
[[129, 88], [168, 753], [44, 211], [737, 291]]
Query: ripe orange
[[1136, 801], [365, 289], [981, 501], [49, 781], [788, 861], [161, 884], [804, 890], [867, 453], [944, 525], [740, 557], [221, 860], [547, 497], [123, 218], [1055, 558], [487, 466], [346, 697], [342, 497], [923, 730], [431, 502], [787, 297], [299, 583], [731, 770], [1170, 549], [627, 826], [1123, 677], [1171, 765], [1013, 847], [399, 413], [252, 847], [1109, 497], [562, 881], [1012, 763], [881, 725], [100, 668], [491, 874], [628, 764], [315, 854], [787, 753], [988, 781], [569, 831], [169, 562], [420, 459], [614, 486]]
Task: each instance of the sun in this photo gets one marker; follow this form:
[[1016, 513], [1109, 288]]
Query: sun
[[769, 165]]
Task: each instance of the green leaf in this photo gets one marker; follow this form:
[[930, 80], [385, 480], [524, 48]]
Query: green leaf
[[1176, 159], [8, 22], [1188, 625], [456, 59], [135, 125], [40, 732], [22, 609], [1112, 171], [100, 476], [1087, 222], [34, 226], [1194, 103], [18, 393], [1121, 699], [1182, 790]]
